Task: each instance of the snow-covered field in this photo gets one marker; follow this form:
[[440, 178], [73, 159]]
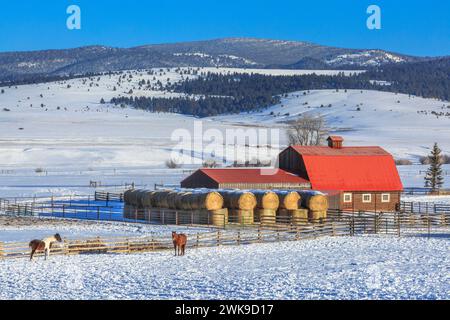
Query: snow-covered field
[[26, 229], [369, 267], [58, 142], [402, 124]]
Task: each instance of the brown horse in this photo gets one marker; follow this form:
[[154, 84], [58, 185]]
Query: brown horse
[[179, 242], [43, 245]]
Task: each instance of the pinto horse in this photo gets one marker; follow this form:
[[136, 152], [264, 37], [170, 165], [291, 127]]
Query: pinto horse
[[43, 245], [179, 242]]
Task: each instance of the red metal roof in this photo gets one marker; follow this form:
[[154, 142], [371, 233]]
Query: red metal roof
[[245, 175], [350, 169], [335, 138], [344, 151]]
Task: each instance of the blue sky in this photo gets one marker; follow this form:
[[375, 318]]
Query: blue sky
[[408, 26]]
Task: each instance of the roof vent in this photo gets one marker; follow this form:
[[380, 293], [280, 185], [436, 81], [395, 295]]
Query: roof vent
[[335, 142]]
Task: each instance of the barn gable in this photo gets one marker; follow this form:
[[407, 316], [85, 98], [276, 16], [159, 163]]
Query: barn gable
[[343, 168]]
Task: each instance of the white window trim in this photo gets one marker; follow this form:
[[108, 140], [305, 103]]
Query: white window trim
[[367, 201], [388, 197], [351, 197]]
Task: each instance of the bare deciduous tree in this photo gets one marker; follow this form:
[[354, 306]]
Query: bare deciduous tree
[[307, 131]]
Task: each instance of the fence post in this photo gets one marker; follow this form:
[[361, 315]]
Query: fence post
[[352, 224], [429, 227], [218, 238], [198, 240], [65, 248], [239, 238], [375, 224], [98, 213], [259, 233]]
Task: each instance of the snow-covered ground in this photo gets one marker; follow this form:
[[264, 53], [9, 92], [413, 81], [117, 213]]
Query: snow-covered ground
[[413, 175], [431, 199], [60, 141], [369, 267], [402, 124], [26, 229]]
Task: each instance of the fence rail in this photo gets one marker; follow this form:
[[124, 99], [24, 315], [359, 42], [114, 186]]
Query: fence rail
[[267, 231], [260, 234], [423, 207], [108, 196], [424, 191]]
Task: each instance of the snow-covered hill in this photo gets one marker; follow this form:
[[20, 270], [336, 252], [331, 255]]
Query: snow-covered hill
[[60, 134], [405, 125]]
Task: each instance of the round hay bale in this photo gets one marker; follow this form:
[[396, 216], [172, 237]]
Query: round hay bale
[[219, 218], [171, 200], [289, 200], [127, 195], [267, 217], [184, 203], [147, 199], [132, 197], [314, 200], [242, 200], [139, 197], [204, 200], [299, 216], [245, 217], [159, 199], [266, 200], [180, 200], [317, 216]]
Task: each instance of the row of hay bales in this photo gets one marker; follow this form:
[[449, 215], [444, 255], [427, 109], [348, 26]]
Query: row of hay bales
[[244, 207]]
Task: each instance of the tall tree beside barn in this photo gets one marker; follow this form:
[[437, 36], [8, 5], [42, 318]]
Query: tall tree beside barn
[[434, 178], [307, 131]]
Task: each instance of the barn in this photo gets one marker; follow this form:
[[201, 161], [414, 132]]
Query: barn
[[245, 178], [355, 178]]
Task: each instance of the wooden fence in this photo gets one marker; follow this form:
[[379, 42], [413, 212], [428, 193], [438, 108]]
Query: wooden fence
[[108, 196], [424, 191], [219, 237], [423, 207], [266, 231]]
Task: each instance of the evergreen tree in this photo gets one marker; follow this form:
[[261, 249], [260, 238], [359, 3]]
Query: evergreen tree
[[434, 178]]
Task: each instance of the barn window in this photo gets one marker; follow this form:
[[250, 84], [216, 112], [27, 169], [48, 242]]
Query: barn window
[[367, 198], [347, 197], [385, 197]]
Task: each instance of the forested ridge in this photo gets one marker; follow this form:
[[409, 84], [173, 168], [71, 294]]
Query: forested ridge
[[213, 94]]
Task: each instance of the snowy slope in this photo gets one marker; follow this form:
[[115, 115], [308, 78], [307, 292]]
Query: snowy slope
[[369, 267], [403, 124], [73, 139]]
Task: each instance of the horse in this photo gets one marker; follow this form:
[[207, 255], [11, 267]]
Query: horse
[[179, 242], [43, 245]]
